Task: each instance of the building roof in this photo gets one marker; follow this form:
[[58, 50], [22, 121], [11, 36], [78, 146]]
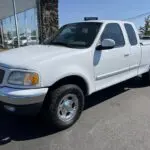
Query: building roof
[[6, 7]]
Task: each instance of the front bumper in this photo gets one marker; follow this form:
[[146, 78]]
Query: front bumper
[[22, 101]]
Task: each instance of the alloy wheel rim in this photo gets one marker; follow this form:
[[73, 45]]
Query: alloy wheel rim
[[68, 107]]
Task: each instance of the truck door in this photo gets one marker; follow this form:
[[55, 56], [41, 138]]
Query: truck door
[[135, 49], [112, 65]]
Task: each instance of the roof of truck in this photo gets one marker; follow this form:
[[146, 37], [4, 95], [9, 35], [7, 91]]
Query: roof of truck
[[106, 21], [109, 21]]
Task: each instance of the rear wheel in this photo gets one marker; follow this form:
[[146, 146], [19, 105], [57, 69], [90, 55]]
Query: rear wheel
[[64, 105]]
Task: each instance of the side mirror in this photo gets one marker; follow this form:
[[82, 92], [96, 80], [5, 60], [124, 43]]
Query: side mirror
[[106, 44]]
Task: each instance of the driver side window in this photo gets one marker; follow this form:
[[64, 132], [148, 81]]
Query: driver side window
[[114, 32]]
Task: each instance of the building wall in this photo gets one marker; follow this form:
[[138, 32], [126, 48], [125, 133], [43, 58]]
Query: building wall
[[35, 18]]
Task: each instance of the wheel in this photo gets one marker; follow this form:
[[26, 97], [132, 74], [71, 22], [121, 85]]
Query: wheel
[[64, 105], [146, 77]]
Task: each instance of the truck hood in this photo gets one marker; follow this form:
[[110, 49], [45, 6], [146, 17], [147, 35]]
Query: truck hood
[[28, 57]]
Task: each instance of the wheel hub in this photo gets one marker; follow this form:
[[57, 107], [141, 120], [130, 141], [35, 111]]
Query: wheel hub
[[68, 107]]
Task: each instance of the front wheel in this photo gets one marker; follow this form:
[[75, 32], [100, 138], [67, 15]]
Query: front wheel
[[64, 105]]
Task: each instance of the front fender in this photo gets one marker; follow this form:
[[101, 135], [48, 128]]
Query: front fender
[[57, 74]]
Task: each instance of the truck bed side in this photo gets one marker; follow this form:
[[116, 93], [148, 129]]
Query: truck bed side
[[145, 58]]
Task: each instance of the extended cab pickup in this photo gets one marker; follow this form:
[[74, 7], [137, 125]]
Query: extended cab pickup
[[82, 58]]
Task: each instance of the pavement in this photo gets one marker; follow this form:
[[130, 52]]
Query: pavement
[[117, 118]]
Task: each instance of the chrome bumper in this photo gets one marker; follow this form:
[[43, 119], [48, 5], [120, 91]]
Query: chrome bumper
[[22, 96]]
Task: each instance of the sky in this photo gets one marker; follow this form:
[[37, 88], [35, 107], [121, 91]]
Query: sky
[[76, 10]]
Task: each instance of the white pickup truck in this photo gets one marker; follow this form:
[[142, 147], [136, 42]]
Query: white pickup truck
[[83, 58]]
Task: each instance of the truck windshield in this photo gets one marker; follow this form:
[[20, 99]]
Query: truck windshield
[[77, 35]]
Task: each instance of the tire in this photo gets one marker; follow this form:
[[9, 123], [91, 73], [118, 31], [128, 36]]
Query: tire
[[57, 104], [146, 77]]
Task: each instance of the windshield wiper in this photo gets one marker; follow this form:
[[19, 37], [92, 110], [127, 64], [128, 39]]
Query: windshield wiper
[[60, 43], [70, 45]]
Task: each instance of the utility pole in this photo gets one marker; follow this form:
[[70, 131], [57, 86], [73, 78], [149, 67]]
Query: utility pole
[[16, 22], [2, 33]]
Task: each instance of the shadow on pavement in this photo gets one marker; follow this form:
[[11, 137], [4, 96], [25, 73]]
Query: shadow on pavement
[[26, 128]]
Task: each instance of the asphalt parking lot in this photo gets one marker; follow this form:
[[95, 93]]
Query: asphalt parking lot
[[117, 118]]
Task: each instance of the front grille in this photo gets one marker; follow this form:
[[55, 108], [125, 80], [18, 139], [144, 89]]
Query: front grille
[[2, 73]]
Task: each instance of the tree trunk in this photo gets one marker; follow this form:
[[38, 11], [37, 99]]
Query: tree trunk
[[47, 18]]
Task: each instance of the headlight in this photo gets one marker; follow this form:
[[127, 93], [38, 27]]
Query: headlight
[[23, 78]]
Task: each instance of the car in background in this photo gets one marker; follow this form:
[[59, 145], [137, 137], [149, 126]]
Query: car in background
[[24, 41], [8, 42], [145, 37], [15, 42], [33, 40]]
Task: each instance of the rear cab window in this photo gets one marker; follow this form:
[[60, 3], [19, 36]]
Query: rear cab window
[[131, 34]]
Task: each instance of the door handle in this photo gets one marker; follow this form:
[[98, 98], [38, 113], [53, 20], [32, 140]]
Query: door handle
[[126, 55]]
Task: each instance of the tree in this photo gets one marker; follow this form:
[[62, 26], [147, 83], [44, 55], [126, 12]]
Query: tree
[[146, 29], [47, 18]]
